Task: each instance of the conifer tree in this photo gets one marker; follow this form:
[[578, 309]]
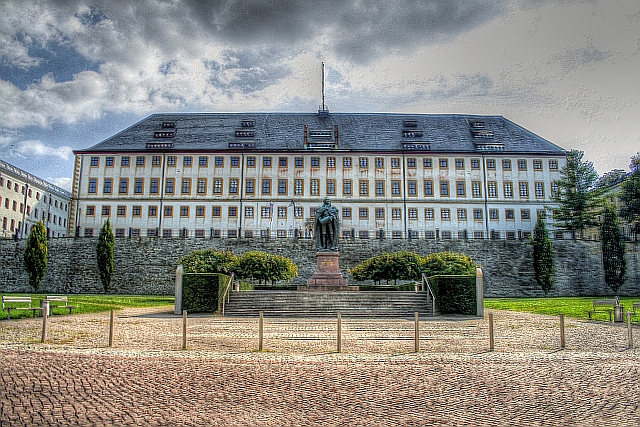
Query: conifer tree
[[542, 256], [104, 252], [613, 248], [35, 255]]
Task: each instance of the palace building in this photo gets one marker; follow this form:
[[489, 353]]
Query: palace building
[[262, 175], [26, 199]]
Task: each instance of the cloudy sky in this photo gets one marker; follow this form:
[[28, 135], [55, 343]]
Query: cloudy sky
[[73, 72]]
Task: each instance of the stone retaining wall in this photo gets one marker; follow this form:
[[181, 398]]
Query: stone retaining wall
[[147, 265]]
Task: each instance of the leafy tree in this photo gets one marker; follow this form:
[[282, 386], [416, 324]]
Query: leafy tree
[[578, 200], [261, 266], [450, 263], [613, 248], [630, 198], [35, 255], [209, 261], [402, 265], [611, 178], [635, 162], [542, 256], [104, 254]]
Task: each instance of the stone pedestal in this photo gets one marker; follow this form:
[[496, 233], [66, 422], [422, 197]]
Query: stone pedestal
[[327, 276]]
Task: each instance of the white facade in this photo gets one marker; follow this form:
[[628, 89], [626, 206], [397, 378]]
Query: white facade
[[26, 200]]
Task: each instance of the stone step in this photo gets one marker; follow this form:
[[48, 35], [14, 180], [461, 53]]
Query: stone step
[[325, 304]]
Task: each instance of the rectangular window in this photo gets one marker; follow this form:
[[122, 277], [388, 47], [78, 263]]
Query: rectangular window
[[299, 162], [460, 188], [95, 162], [478, 235], [171, 161], [202, 185], [170, 185], [151, 232], [364, 162], [459, 163], [200, 211], [88, 232], [108, 162], [248, 212], [331, 187], [282, 162], [297, 212], [266, 162], [476, 189], [138, 185], [555, 191], [346, 187], [396, 213], [475, 163], [203, 161], [152, 211], [125, 161], [166, 232], [426, 163], [233, 186], [539, 190], [506, 164], [443, 163], [216, 211], [108, 186], [235, 161], [522, 164], [525, 214], [491, 164], [232, 211], [124, 185], [445, 214], [251, 184], [168, 211], [537, 165], [553, 165], [136, 211], [218, 184], [494, 214], [140, 161], [251, 162], [187, 161], [379, 161], [379, 213], [106, 210], [462, 214], [492, 189], [156, 161], [315, 162], [346, 162], [477, 214], [265, 212], [200, 233], [444, 188], [154, 184], [428, 188], [508, 190], [282, 212], [428, 214], [364, 187], [218, 161], [509, 214], [395, 163], [331, 162], [266, 186], [315, 187], [412, 188], [395, 188], [363, 213], [186, 186], [91, 210], [298, 187], [282, 186], [93, 184], [411, 163], [379, 188], [524, 189]]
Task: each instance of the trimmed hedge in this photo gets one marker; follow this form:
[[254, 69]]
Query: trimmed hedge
[[455, 294], [201, 291]]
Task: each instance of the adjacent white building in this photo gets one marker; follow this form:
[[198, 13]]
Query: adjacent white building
[[252, 175], [26, 199]]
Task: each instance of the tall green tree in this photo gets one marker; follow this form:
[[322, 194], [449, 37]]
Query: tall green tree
[[104, 254], [35, 255], [613, 248], [578, 201], [542, 256], [630, 198]]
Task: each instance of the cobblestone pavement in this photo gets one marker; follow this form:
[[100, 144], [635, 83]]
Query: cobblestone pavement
[[300, 380]]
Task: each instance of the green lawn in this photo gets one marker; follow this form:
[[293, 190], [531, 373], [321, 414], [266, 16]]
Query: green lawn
[[94, 303], [575, 307]]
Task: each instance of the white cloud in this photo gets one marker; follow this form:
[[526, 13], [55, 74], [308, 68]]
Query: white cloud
[[32, 148], [64, 183]]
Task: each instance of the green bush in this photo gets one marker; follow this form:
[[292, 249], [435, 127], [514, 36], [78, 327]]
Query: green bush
[[209, 261], [263, 266], [200, 291], [448, 263], [36, 255], [455, 294]]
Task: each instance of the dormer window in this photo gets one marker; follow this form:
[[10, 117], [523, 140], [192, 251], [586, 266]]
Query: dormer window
[[410, 124], [412, 134], [245, 134], [482, 134], [164, 134], [477, 125], [325, 133], [248, 123], [166, 125]]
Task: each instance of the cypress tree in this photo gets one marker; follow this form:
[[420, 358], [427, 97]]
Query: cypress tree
[[542, 256], [35, 255], [613, 248], [104, 252]]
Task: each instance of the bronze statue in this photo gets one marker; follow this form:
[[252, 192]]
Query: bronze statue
[[327, 227]]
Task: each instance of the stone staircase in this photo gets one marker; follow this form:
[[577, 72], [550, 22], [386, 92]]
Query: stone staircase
[[328, 304]]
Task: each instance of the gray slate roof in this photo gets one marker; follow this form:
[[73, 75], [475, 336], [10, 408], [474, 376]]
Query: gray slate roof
[[357, 132]]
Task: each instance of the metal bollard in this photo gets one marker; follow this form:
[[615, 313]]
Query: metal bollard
[[339, 334], [111, 322], [562, 343], [629, 330], [44, 311], [416, 346], [491, 332], [260, 332], [184, 329]]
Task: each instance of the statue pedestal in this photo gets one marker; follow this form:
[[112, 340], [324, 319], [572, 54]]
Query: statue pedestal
[[327, 276]]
